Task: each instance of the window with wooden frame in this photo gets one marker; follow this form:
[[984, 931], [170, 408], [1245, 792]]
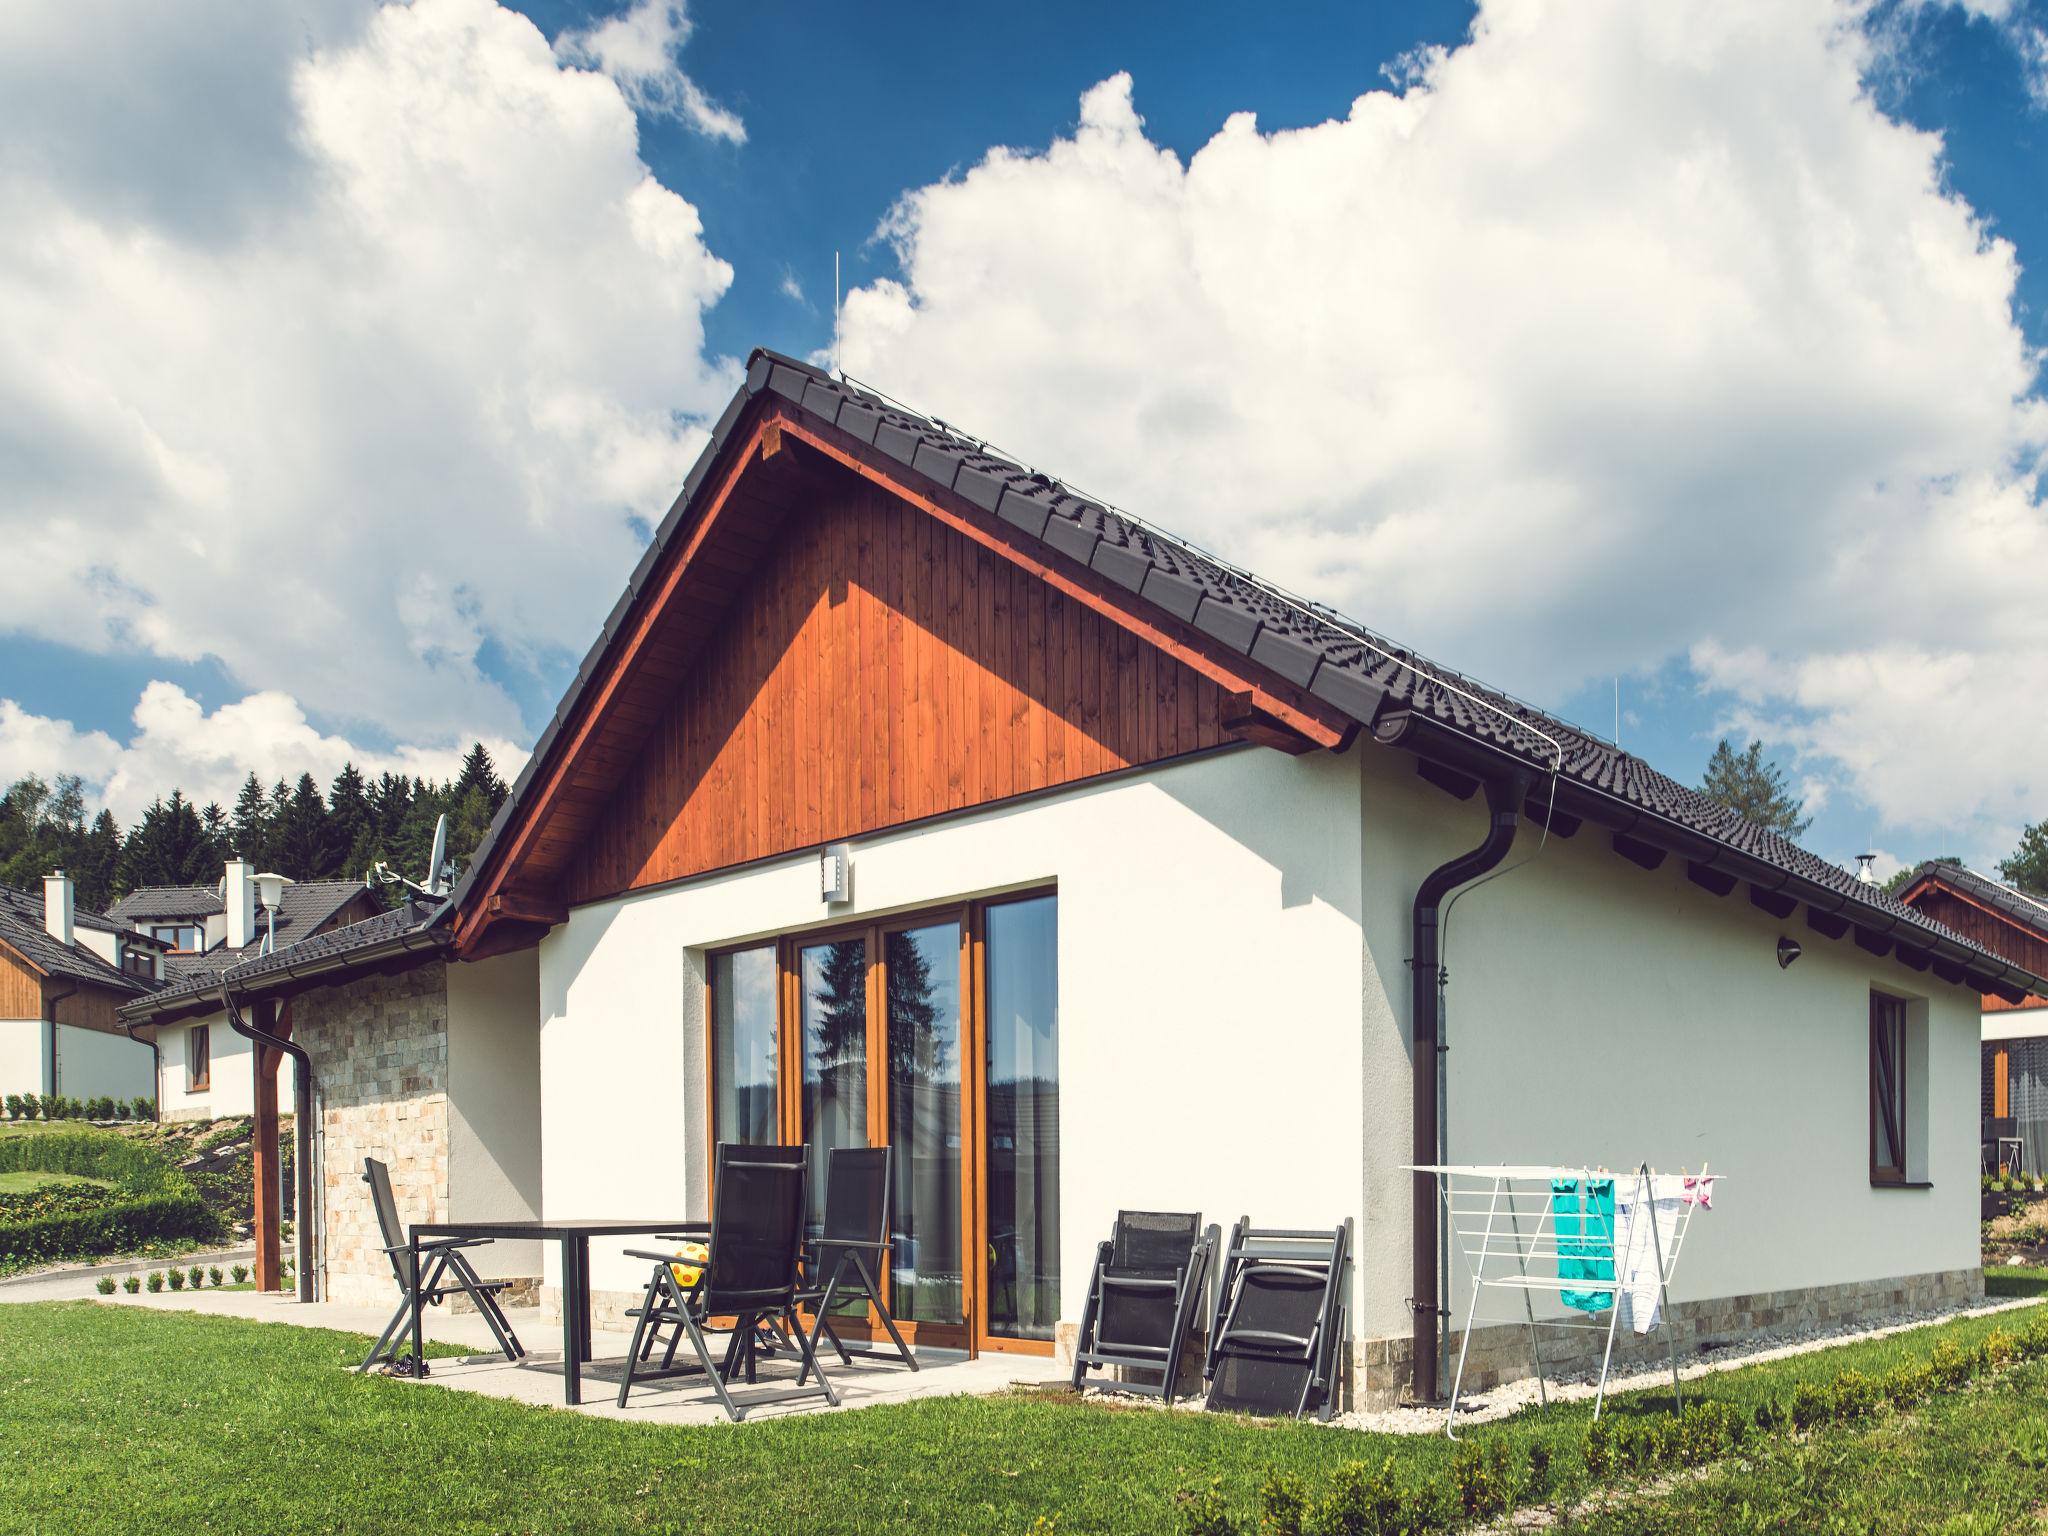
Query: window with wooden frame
[[1888, 1089], [935, 1033], [199, 1058]]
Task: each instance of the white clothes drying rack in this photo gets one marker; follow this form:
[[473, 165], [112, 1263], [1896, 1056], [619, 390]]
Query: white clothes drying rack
[[1505, 1219]]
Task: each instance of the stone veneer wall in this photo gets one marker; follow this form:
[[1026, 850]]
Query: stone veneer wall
[[379, 1046], [1500, 1354]]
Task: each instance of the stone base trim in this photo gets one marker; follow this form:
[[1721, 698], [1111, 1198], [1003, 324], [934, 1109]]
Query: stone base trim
[[1500, 1353]]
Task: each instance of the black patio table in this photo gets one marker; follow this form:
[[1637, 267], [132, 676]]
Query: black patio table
[[574, 1236]]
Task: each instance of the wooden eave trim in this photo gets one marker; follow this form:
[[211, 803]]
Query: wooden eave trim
[[1320, 724], [653, 600], [9, 949], [2039, 935]]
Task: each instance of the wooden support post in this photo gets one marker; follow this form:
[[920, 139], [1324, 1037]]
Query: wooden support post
[[269, 1256]]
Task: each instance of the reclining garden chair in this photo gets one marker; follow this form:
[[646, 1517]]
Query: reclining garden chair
[[845, 1261], [1148, 1285], [751, 1276], [1280, 1321], [444, 1272]]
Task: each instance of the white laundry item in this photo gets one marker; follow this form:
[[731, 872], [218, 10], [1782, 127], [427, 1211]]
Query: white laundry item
[[1645, 1231]]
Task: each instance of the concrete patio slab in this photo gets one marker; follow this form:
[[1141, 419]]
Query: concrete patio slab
[[537, 1380]]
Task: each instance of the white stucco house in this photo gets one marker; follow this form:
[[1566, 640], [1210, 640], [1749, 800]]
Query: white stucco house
[[205, 1070], [64, 971], [910, 797]]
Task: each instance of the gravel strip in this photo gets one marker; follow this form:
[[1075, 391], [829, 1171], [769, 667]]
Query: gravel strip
[[1503, 1401]]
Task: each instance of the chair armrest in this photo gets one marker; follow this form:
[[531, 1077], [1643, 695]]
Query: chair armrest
[[441, 1244], [658, 1258]]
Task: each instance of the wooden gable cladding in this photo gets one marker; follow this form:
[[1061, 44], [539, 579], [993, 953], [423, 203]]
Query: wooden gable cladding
[[880, 667], [1992, 930]]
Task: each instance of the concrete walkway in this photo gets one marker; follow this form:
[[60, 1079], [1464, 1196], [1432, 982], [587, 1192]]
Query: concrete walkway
[[537, 1380], [74, 1282]]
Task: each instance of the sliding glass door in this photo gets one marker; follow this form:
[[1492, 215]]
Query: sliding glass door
[[936, 1035]]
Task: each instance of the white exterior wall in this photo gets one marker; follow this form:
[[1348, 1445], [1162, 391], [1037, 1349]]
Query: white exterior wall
[[22, 1067], [1599, 1013], [231, 1086], [494, 1161], [92, 1063], [1209, 945]]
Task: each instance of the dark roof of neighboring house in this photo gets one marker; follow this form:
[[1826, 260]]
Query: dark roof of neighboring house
[[167, 901], [2009, 900], [21, 927], [1371, 679], [373, 939]]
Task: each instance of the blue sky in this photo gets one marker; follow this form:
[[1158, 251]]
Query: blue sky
[[846, 110]]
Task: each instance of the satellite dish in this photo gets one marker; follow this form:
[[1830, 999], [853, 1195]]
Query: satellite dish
[[437, 861]]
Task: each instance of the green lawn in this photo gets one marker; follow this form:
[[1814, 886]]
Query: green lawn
[[101, 1409], [29, 1180]]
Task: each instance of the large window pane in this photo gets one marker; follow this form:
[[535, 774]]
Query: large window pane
[[1023, 1118], [923, 990], [834, 1026], [743, 1047]]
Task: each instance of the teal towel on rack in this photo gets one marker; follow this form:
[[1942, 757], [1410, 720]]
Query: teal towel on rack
[[1585, 1238]]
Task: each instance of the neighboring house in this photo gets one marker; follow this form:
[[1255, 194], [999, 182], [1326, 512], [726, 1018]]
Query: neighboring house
[[205, 1069], [909, 797], [63, 973], [2013, 1079]]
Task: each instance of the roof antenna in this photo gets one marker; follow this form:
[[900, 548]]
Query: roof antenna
[[1617, 710], [835, 316]]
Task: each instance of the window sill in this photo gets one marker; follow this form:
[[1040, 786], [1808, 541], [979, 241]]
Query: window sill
[[1902, 1184]]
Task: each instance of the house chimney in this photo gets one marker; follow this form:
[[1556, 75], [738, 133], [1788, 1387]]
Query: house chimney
[[239, 894], [57, 906]]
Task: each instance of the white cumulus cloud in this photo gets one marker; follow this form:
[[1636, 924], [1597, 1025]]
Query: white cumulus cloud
[[345, 343], [1624, 332], [178, 744], [642, 49]]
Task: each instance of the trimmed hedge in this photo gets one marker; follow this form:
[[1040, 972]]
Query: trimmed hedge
[[151, 1201]]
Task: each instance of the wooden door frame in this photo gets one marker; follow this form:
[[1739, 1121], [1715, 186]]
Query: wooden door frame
[[972, 1334]]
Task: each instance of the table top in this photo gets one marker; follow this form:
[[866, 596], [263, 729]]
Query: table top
[[556, 1227]]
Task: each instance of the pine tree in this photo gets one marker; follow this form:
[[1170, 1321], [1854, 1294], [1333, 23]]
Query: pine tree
[[167, 847], [1744, 782], [916, 1049], [302, 849], [351, 823], [97, 865], [250, 824], [219, 835], [480, 773], [2027, 865], [839, 1026]]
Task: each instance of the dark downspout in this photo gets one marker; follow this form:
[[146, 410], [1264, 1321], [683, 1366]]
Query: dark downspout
[[50, 1002], [302, 1129], [156, 1067], [1504, 800]]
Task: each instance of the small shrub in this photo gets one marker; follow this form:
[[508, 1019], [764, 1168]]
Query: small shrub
[[1770, 1415], [1541, 1473], [1950, 1363], [1600, 1450], [240, 1272], [1810, 1406], [105, 1285], [30, 1107], [176, 1277], [12, 1104], [1283, 1505], [2029, 1444], [131, 1283], [143, 1107], [1999, 1348], [1472, 1480], [1907, 1385], [213, 1274], [195, 1277], [1365, 1501], [1204, 1512], [1853, 1396], [155, 1282]]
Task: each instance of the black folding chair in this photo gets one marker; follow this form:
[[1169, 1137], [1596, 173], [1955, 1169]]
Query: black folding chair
[[845, 1261], [1146, 1289], [751, 1276], [444, 1272], [1280, 1321]]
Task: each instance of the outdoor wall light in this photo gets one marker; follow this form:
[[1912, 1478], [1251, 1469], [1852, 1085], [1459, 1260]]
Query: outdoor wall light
[[1788, 951], [835, 872]]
